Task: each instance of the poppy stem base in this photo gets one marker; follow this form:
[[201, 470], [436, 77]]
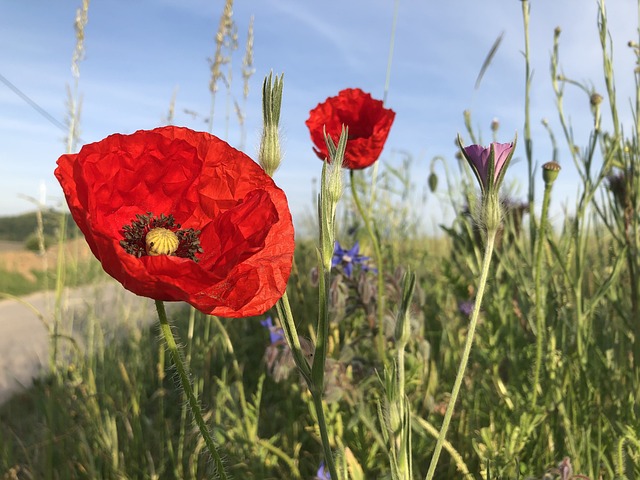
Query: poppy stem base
[[185, 383]]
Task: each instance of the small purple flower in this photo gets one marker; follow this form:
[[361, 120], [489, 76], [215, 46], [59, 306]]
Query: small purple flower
[[348, 258], [322, 473], [466, 307], [565, 469], [275, 333], [485, 161]]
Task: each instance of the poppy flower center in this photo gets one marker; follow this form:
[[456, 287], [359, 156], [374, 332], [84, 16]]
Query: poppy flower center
[[153, 236], [161, 241]]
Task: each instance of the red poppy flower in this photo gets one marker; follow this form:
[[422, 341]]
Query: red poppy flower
[[178, 215], [368, 121]]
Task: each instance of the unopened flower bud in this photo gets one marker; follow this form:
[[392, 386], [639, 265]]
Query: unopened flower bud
[[336, 160], [495, 125], [331, 191], [270, 154], [395, 417], [596, 99], [550, 171], [433, 182], [335, 184]]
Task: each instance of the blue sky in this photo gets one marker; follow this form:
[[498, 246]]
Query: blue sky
[[138, 52]]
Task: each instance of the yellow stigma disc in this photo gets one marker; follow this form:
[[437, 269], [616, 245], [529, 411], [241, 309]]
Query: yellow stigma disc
[[161, 241]]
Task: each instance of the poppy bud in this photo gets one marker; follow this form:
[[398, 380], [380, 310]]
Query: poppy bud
[[550, 171], [595, 99], [433, 182]]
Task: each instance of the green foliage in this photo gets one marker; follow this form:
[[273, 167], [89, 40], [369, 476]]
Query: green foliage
[[18, 228], [76, 273], [32, 242], [14, 283]]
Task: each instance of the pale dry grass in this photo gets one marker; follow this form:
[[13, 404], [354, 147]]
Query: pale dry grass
[[15, 258]]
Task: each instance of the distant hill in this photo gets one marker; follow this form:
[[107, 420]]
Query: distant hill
[[19, 227]]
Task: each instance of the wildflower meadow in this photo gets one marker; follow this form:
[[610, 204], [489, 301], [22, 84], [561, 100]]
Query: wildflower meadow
[[503, 345]]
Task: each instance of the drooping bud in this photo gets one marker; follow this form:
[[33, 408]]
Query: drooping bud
[[550, 171], [433, 182]]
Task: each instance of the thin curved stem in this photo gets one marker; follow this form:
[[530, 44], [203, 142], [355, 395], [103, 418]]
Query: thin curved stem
[[378, 255], [185, 382], [465, 354], [433, 431], [528, 143]]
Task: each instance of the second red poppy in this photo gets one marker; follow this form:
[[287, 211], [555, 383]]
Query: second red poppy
[[368, 121]]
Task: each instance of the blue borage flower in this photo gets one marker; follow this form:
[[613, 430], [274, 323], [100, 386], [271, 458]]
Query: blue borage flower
[[466, 307], [322, 473], [275, 333], [348, 258]]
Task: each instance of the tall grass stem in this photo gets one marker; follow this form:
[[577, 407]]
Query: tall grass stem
[[528, 142], [392, 42]]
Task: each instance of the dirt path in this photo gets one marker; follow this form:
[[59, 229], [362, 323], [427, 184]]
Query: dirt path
[[24, 337]]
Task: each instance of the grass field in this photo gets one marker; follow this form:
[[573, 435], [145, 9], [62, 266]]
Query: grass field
[[549, 391]]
